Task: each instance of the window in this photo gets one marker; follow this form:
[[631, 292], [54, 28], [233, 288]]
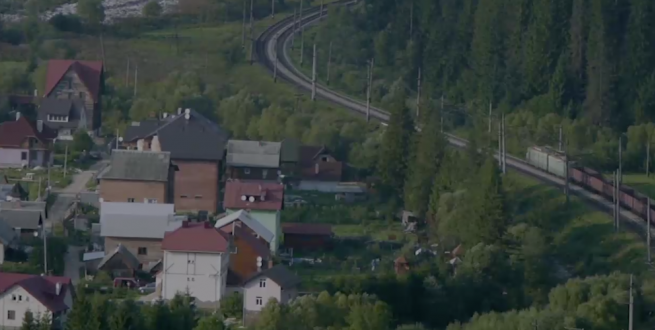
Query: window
[[23, 155], [198, 196], [11, 315], [130, 200], [13, 297], [246, 171], [191, 262], [143, 251], [184, 196], [20, 298], [324, 158], [258, 301], [262, 282], [150, 200], [264, 173]]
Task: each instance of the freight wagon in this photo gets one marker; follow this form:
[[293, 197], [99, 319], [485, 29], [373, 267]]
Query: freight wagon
[[552, 161]]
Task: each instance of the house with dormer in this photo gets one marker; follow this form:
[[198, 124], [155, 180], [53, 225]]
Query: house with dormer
[[72, 97], [24, 143], [263, 200]]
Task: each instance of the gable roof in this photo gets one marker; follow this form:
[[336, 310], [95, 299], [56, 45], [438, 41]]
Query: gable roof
[[128, 258], [253, 153], [137, 220], [22, 218], [307, 229], [196, 138], [13, 133], [42, 288], [196, 237], [249, 221], [41, 207], [89, 72], [278, 274], [313, 169], [74, 109], [272, 192], [139, 165], [54, 106]]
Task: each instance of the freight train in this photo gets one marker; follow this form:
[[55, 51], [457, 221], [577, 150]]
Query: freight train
[[553, 162]]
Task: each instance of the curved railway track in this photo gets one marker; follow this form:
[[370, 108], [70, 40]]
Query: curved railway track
[[271, 48]]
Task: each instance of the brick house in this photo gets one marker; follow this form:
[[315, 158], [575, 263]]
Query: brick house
[[253, 160], [318, 169], [75, 89], [139, 227], [196, 146], [248, 256], [138, 177], [25, 144]]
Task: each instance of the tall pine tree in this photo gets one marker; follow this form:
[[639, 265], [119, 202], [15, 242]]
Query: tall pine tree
[[396, 146]]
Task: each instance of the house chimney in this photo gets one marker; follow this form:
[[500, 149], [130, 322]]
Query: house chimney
[[39, 125], [139, 145], [17, 115], [316, 166], [57, 288], [154, 145], [185, 224]]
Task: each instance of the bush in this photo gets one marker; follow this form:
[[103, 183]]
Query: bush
[[67, 23]]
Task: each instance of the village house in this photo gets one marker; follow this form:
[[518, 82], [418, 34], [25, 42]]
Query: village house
[[243, 219], [277, 283], [119, 262], [248, 256], [25, 144], [24, 217], [196, 260], [138, 227], [38, 294], [253, 160], [72, 97], [318, 169], [197, 147], [263, 200], [139, 177]]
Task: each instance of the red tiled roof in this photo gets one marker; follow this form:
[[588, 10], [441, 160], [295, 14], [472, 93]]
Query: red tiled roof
[[42, 288], [195, 237], [273, 194], [307, 228], [257, 245], [90, 72], [13, 133], [314, 169]]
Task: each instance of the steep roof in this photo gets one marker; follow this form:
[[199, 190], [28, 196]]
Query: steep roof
[[90, 73], [249, 221], [272, 193], [137, 220], [13, 133], [196, 237], [128, 258], [21, 218], [313, 169], [196, 138], [42, 288], [278, 274], [253, 153], [307, 228], [74, 109], [139, 165]]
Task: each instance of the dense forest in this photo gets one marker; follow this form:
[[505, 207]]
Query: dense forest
[[588, 65]]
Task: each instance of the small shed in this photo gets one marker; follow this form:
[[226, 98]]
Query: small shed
[[307, 236], [119, 263]]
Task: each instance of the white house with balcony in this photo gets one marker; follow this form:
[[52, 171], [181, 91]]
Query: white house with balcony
[[196, 261], [20, 293]]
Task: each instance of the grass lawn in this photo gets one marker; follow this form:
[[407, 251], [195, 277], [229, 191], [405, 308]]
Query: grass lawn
[[583, 239], [57, 179]]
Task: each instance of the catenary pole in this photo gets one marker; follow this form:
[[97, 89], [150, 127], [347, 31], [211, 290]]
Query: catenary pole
[[243, 26], [648, 220], [500, 144], [328, 63], [504, 147], [293, 34], [560, 138], [632, 303], [314, 74], [442, 113], [320, 16], [489, 117], [648, 158], [272, 8], [302, 34], [418, 94], [275, 60]]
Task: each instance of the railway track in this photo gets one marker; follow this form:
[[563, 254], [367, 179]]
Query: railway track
[[271, 49]]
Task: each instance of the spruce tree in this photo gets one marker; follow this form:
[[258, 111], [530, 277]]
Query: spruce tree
[[183, 312], [396, 146], [78, 318], [29, 323], [44, 322], [125, 316], [98, 313], [428, 154], [559, 85]]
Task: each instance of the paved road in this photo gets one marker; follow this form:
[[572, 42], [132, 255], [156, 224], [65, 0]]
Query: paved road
[[272, 51], [73, 263]]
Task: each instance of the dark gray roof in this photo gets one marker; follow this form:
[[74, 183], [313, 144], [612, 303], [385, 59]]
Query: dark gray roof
[[139, 165], [61, 107], [244, 153], [290, 150], [279, 274], [55, 106], [22, 218], [26, 205], [196, 138], [7, 233], [130, 260]]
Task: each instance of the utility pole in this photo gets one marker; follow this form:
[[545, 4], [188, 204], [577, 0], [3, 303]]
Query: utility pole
[[275, 64], [136, 77], [500, 144], [560, 138], [302, 34], [616, 200], [320, 16], [45, 249], [117, 138], [293, 35], [252, 33], [65, 160], [632, 302], [418, 94], [127, 74], [567, 189], [620, 158], [272, 8], [504, 147], [39, 190], [489, 117], [328, 64], [411, 21], [314, 74], [441, 114], [368, 91], [243, 27], [648, 219], [648, 158]]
